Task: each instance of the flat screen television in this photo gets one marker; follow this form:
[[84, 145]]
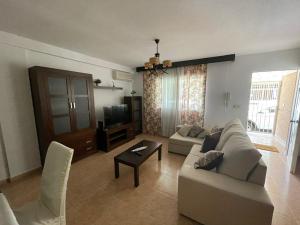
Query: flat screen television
[[115, 115]]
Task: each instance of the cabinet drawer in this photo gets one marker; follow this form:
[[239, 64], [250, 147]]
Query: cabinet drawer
[[79, 139], [84, 140], [85, 149]]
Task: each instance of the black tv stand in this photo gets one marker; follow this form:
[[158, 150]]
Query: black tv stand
[[112, 137]]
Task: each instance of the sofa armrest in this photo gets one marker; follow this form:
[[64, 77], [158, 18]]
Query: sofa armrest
[[210, 198], [258, 175]]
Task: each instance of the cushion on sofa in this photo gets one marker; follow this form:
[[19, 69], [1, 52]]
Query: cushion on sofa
[[202, 134], [184, 130], [209, 160], [195, 131], [240, 157], [210, 142], [216, 129]]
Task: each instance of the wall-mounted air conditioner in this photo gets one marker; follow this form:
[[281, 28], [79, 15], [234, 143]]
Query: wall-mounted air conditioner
[[123, 76]]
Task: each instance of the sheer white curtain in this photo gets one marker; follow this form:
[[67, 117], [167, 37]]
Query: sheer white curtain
[[169, 104], [182, 97]]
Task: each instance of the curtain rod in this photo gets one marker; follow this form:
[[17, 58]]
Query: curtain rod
[[215, 59]]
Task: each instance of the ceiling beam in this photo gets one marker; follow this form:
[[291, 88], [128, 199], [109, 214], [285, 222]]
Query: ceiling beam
[[215, 59]]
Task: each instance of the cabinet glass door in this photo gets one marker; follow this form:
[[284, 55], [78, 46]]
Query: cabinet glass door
[[81, 100], [59, 104]]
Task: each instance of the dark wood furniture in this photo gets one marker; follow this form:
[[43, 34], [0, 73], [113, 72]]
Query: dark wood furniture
[[136, 159], [215, 59], [110, 138], [135, 112], [64, 109], [108, 87]]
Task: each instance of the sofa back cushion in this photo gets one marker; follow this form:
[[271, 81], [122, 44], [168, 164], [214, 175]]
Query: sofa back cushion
[[232, 123], [185, 130], [240, 157], [232, 127]]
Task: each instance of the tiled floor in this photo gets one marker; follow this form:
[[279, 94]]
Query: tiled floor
[[95, 197], [283, 187], [266, 139]]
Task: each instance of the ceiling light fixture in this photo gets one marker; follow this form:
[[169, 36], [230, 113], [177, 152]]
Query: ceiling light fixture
[[154, 65]]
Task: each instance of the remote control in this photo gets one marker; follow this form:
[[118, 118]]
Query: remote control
[[139, 149], [138, 153]]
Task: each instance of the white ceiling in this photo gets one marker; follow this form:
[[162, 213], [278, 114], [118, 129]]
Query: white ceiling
[[121, 31]]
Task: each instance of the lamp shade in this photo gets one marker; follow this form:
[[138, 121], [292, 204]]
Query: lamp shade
[[154, 60], [167, 63], [148, 65]]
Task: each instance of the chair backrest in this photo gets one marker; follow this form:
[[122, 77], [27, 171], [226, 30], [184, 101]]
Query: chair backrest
[[55, 177]]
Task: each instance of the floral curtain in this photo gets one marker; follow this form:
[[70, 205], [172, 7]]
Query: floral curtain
[[152, 103], [178, 97], [192, 85]]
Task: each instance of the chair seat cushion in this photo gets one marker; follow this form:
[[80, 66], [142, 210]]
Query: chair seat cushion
[[35, 213]]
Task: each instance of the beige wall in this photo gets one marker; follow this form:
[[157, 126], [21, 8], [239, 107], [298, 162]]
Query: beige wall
[[18, 143], [285, 106]]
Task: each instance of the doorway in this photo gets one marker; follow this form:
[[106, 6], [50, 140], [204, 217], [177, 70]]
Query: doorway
[[270, 106]]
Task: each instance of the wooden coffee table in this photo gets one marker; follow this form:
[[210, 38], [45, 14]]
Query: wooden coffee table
[[134, 160]]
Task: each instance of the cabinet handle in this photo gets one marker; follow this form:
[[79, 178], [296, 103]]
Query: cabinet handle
[[88, 141], [74, 105], [89, 148], [70, 105]]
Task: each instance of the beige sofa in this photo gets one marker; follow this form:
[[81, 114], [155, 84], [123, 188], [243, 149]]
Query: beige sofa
[[212, 198], [182, 145]]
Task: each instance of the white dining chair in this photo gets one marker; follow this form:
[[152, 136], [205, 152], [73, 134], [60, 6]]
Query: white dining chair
[[50, 208], [7, 216]]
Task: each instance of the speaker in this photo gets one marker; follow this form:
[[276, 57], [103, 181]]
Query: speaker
[[100, 125]]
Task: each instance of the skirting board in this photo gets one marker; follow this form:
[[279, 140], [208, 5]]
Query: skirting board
[[26, 174], [4, 181]]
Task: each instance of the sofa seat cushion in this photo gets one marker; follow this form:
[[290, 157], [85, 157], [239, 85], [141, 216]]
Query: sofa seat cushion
[[240, 157], [196, 150], [185, 141]]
